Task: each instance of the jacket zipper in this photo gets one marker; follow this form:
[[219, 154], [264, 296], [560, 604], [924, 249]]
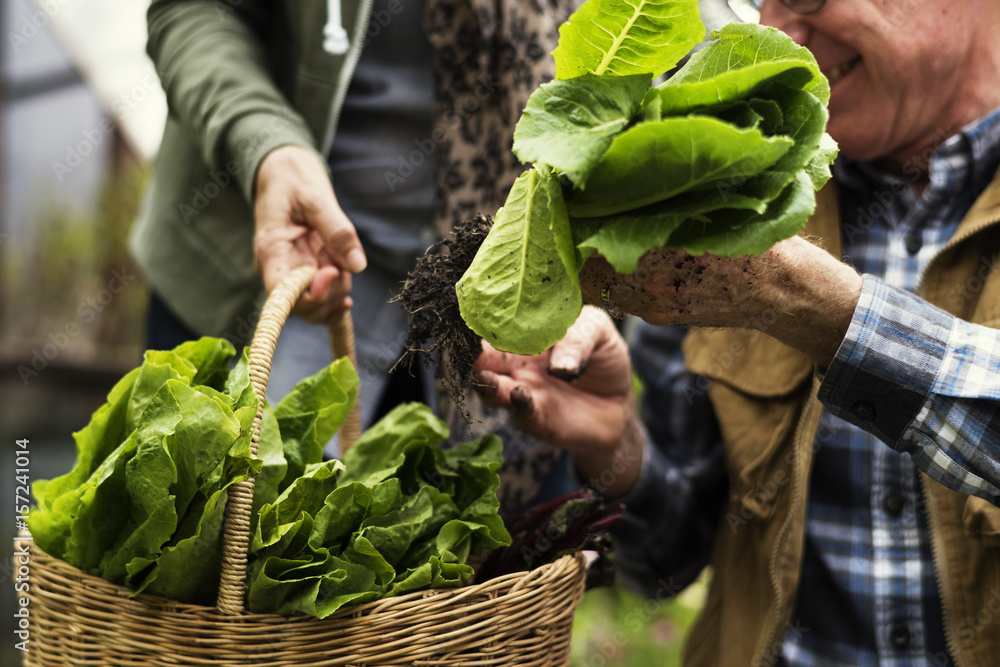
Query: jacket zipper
[[346, 72], [947, 609], [770, 635], [930, 507]]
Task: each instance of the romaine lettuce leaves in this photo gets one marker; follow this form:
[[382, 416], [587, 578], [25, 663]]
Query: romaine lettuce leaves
[[723, 157], [570, 124], [399, 514], [655, 160], [741, 57], [145, 502], [151, 469], [311, 413]]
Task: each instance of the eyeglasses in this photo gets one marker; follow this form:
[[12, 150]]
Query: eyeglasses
[[797, 6]]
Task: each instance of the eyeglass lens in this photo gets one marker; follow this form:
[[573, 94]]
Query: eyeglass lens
[[797, 6]]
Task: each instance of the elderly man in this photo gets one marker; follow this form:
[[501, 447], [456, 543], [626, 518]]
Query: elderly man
[[829, 442]]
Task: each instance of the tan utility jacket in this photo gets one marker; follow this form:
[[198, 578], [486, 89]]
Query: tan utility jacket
[[765, 397]]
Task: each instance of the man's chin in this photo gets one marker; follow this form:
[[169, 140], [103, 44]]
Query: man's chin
[[858, 148], [856, 132]]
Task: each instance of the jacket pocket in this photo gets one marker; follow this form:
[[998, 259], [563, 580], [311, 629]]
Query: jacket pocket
[[982, 521], [749, 361], [757, 386]]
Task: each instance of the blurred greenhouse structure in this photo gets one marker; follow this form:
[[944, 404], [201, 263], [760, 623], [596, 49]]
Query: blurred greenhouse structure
[[82, 111]]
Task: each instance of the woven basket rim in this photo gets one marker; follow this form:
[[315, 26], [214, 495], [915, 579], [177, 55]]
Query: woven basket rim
[[501, 585]]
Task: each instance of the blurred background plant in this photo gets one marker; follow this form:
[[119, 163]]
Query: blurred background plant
[[615, 627], [71, 294], [81, 114]]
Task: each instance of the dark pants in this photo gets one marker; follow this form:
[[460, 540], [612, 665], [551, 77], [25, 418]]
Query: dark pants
[[164, 330], [402, 388]]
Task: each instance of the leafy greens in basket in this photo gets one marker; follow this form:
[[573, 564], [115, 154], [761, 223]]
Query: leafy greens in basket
[[724, 157], [399, 514], [143, 505]]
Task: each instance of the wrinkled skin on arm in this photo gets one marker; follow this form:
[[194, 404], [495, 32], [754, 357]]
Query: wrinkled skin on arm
[[578, 396], [810, 294]]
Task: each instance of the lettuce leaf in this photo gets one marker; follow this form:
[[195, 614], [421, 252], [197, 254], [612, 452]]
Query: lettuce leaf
[[623, 37], [740, 57], [655, 160], [143, 503], [522, 289], [570, 124], [312, 412], [189, 567]]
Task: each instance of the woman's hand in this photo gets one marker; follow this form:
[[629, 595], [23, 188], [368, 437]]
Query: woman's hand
[[299, 222], [576, 395]]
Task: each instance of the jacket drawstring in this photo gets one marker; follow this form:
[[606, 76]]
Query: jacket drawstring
[[334, 36]]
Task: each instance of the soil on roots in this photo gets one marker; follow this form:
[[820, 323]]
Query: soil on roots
[[429, 298]]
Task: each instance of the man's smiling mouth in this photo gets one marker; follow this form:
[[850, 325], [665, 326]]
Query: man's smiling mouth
[[840, 71]]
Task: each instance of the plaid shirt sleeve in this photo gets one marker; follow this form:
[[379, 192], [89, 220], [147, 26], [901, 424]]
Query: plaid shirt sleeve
[[924, 382]]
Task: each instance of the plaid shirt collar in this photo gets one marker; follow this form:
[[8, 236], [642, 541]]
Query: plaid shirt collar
[[960, 166]]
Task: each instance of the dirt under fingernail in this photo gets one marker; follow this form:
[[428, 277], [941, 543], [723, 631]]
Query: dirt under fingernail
[[566, 373]]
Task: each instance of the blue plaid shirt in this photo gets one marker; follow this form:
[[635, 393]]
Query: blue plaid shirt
[[907, 374]]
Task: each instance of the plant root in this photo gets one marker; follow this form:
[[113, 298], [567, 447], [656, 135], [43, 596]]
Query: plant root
[[431, 303]]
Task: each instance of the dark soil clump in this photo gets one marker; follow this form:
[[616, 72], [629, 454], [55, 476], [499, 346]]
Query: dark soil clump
[[429, 298]]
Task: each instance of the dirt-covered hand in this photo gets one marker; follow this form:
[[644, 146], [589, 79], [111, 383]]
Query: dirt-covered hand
[[796, 292], [577, 395], [299, 222]]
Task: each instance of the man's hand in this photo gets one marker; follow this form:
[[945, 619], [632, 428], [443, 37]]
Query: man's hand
[[299, 222], [795, 292], [576, 395]]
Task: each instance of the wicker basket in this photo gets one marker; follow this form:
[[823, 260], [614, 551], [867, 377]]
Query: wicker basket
[[520, 619]]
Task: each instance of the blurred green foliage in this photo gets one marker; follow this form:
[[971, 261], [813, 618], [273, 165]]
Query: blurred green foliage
[[70, 282], [615, 627]]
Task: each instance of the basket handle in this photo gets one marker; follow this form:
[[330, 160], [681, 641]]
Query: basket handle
[[236, 529]]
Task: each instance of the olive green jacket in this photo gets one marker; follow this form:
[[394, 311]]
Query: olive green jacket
[[242, 77], [769, 415]]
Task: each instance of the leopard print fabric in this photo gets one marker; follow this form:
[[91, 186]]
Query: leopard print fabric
[[489, 56]]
